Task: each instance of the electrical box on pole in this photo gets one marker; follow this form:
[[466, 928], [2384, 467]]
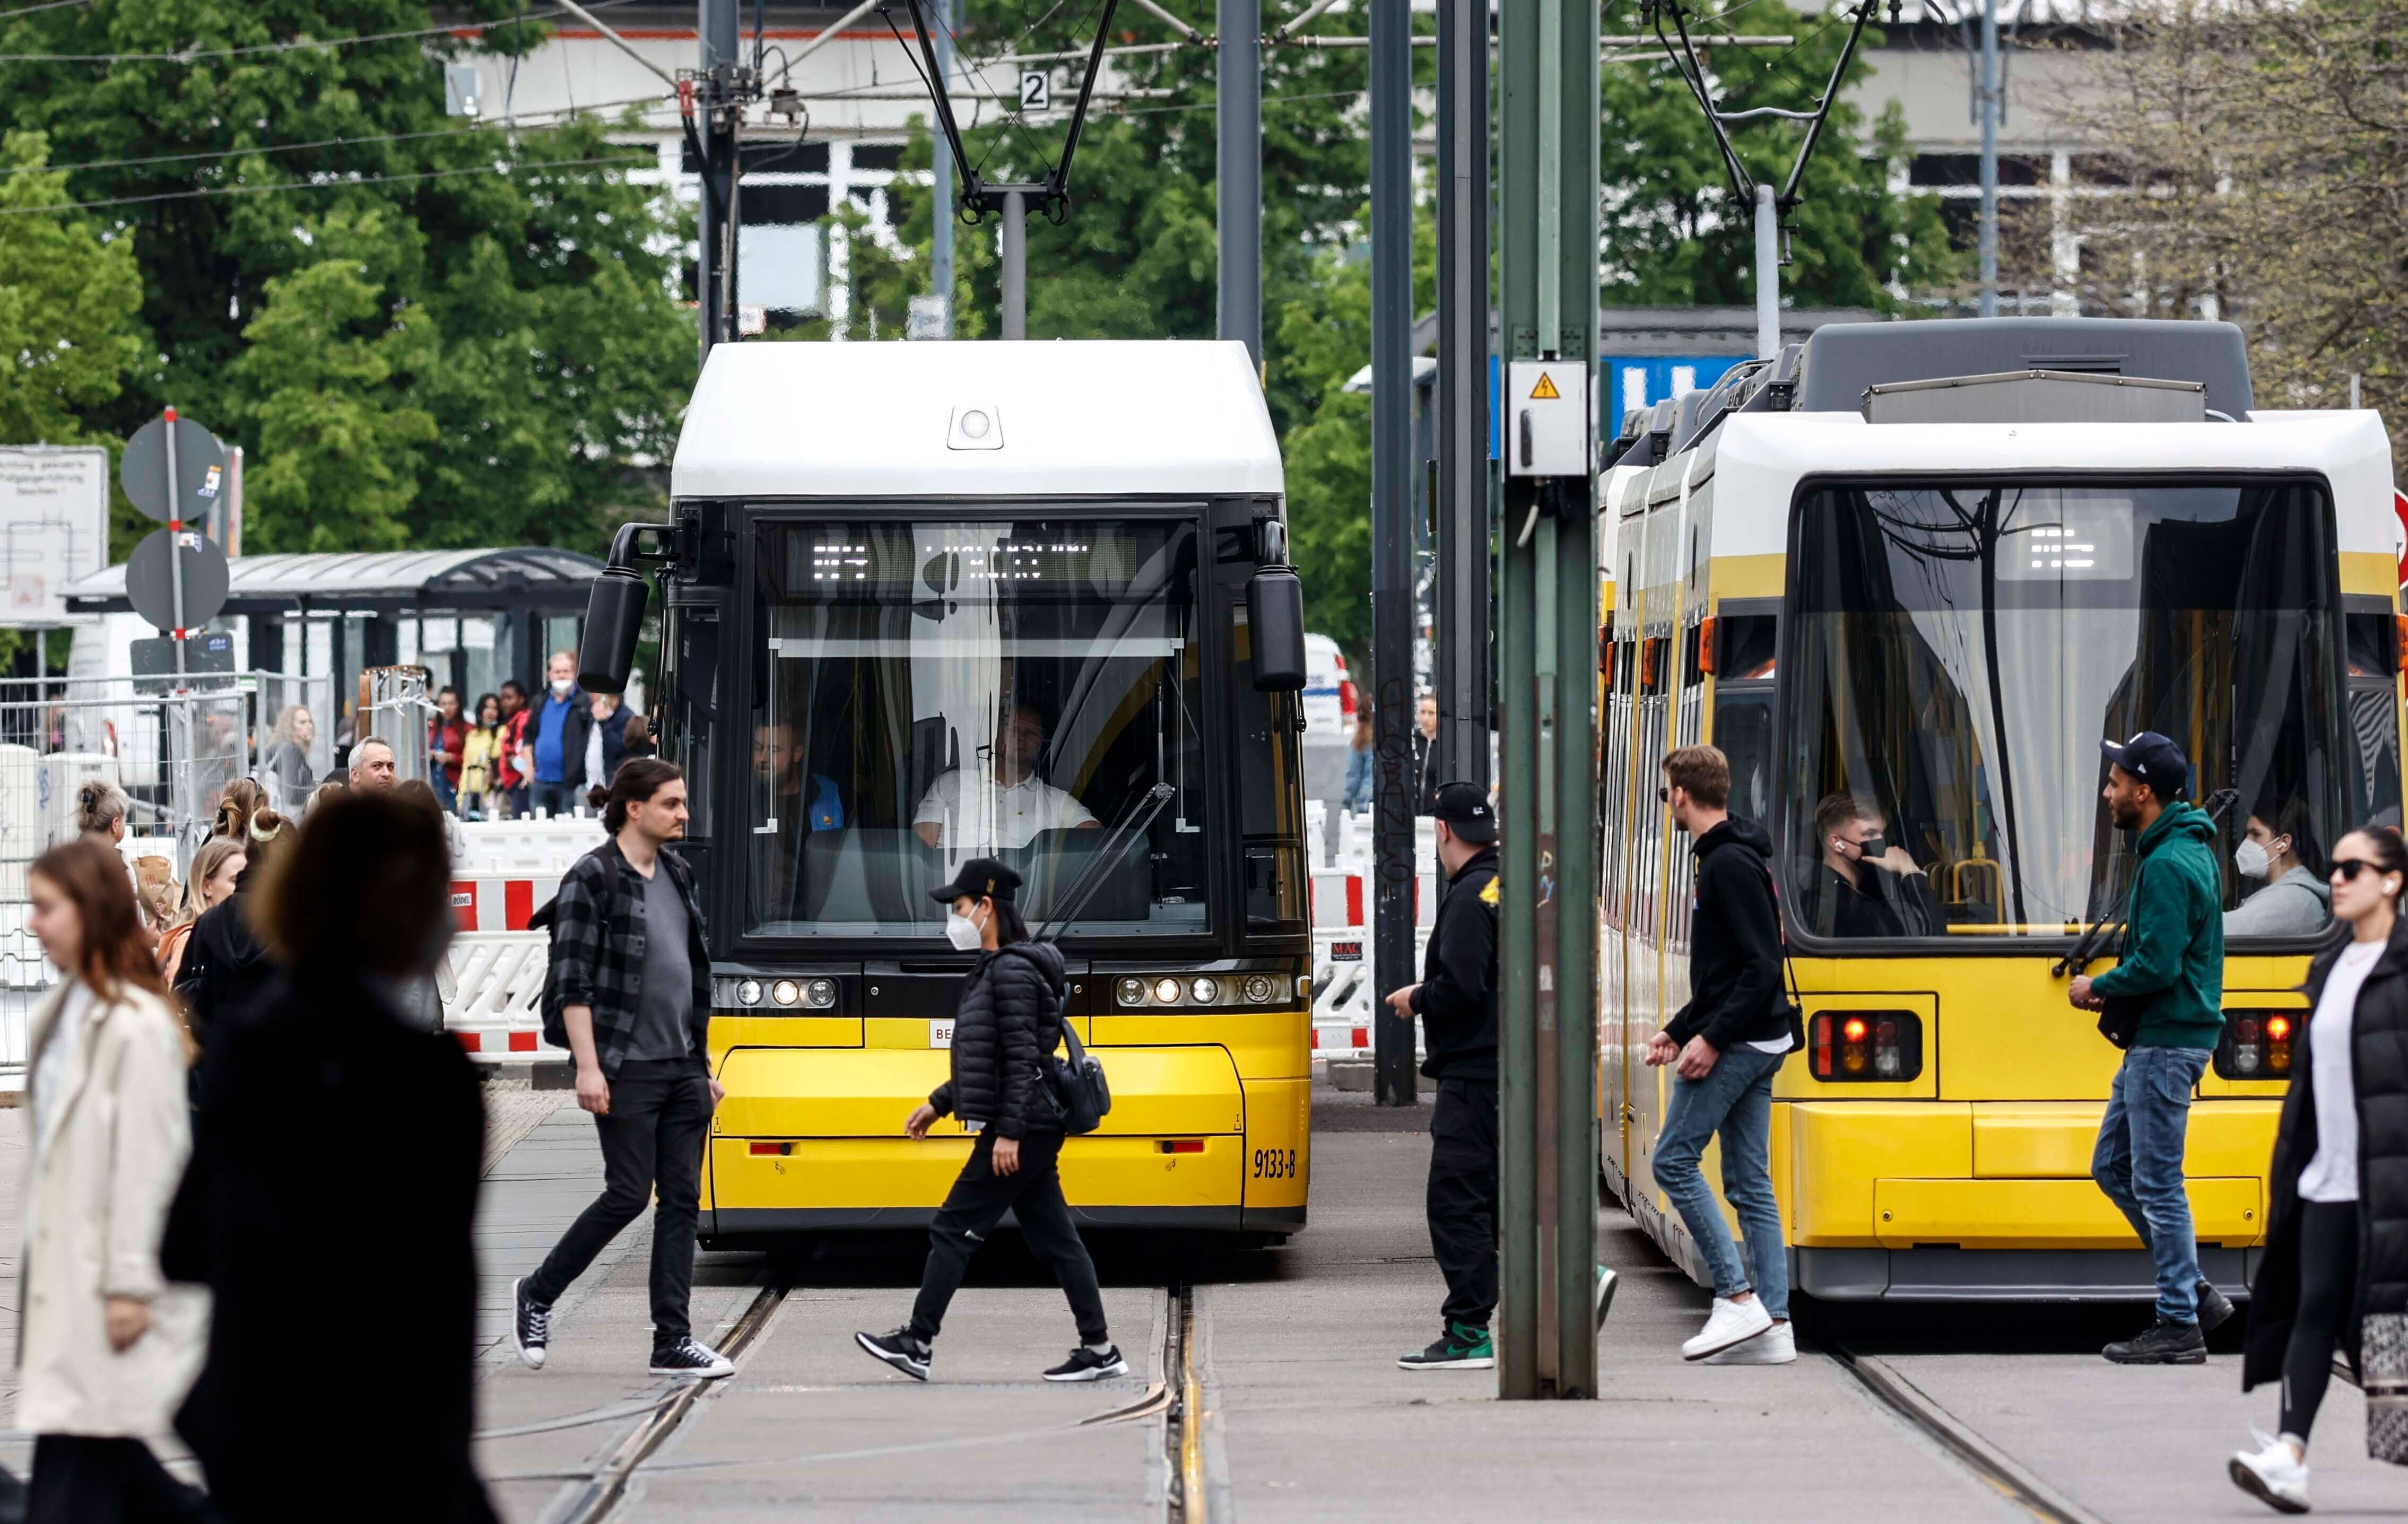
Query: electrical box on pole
[[1546, 638]]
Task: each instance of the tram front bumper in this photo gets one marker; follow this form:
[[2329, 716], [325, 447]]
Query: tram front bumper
[[1944, 1199], [811, 1140]]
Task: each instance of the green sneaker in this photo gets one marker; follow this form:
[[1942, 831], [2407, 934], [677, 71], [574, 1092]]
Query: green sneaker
[[1462, 1348]]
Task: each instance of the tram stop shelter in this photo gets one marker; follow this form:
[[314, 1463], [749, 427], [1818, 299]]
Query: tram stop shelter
[[473, 618]]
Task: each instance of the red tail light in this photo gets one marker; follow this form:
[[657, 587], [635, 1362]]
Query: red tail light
[[1874, 1048], [2257, 1045], [1181, 1146], [786, 1147]]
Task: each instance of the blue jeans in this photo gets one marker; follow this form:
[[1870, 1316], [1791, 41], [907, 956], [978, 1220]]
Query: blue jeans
[[1736, 1101], [447, 793], [2139, 1164], [558, 798]]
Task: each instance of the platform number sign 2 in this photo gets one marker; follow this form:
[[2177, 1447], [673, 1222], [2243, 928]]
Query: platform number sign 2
[[1037, 91]]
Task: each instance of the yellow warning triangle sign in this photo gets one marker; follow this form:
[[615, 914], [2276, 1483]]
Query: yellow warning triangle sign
[[1545, 391]]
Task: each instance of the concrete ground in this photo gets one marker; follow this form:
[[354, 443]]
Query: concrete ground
[[1304, 1412]]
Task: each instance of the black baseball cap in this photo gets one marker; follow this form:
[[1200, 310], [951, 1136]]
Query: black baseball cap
[[1465, 808], [2155, 760], [981, 878]]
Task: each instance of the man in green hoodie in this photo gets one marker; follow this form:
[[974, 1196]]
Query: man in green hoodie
[[2171, 966]]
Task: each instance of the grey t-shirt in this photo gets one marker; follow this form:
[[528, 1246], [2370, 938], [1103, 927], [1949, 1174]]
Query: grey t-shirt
[[665, 989]]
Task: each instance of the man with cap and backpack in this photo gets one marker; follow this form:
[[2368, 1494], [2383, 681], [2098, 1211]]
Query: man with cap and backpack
[[1456, 1000], [2163, 1003], [1005, 1030]]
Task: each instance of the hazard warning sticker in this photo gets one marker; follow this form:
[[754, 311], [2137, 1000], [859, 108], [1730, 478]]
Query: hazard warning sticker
[[1545, 391]]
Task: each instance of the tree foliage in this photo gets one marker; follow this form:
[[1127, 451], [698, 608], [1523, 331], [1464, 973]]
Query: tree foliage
[[69, 336], [423, 330], [2253, 164]]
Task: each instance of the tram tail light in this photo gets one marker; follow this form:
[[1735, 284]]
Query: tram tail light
[[1874, 1048], [2257, 1045], [783, 1148], [1181, 1146]]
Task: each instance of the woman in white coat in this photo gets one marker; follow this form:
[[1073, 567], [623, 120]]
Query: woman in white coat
[[106, 1348]]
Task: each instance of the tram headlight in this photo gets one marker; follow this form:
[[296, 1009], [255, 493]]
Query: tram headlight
[[2257, 1045], [1877, 1048], [1166, 992], [819, 994], [787, 992], [1258, 988], [748, 991], [1132, 992], [1206, 992]]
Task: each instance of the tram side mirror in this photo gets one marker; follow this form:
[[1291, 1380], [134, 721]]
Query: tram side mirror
[[614, 618], [1275, 627]]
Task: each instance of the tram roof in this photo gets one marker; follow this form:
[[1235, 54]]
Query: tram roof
[[1759, 459], [1074, 418]]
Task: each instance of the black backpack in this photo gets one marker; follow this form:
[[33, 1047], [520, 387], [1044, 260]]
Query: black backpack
[[1082, 1097]]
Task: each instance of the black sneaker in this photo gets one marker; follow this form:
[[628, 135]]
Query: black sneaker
[[2214, 1309], [691, 1357], [530, 1324], [2160, 1343], [1461, 1348], [1084, 1364], [900, 1349]]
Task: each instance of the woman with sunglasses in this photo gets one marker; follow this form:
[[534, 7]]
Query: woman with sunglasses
[[2339, 1184]]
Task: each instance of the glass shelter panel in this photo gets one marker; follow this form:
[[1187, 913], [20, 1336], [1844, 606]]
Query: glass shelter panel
[[934, 692], [1958, 652]]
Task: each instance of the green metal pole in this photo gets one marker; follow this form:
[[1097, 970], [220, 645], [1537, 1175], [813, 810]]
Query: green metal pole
[[1547, 678]]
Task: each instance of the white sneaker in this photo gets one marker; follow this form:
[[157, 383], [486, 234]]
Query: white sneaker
[[1732, 1323], [1775, 1345], [2271, 1475]]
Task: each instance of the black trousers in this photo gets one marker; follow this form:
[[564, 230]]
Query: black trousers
[[2328, 1296], [1463, 1197], [83, 1480], [652, 1139], [977, 1202]]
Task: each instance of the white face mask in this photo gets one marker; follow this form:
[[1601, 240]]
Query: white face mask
[[963, 932], [2252, 860], [560, 686]]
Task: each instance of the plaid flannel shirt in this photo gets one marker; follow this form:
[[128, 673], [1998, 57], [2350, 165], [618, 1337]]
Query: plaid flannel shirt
[[597, 951]]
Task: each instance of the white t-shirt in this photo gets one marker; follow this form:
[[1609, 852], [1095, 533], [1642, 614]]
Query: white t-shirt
[[995, 819], [1772, 1044], [2332, 1175]]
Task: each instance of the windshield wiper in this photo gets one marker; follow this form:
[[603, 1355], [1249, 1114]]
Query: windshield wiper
[[1140, 815]]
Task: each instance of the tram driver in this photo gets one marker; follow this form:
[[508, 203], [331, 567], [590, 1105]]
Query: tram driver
[[1868, 887], [1019, 804]]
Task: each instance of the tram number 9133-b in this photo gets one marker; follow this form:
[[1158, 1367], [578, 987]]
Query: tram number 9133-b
[[1275, 1164]]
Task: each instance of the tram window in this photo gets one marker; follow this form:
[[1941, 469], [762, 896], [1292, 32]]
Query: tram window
[[1744, 731], [2374, 720], [1956, 711], [1743, 647], [935, 691], [2370, 640]]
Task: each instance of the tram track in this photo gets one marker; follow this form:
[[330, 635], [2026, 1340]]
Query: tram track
[[2015, 1481]]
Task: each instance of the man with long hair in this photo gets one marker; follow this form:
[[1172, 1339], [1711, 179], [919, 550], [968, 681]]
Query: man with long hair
[[635, 1012]]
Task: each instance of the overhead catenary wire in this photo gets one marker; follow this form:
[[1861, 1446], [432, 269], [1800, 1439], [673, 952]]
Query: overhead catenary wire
[[291, 45], [349, 180], [46, 5]]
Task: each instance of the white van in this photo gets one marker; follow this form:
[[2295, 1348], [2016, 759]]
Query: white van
[[1328, 693]]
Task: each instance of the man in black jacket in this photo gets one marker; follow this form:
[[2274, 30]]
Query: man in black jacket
[[1726, 1045], [1456, 1000]]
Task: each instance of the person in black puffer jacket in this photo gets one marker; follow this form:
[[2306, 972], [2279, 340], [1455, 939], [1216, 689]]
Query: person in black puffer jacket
[[1005, 1032], [2337, 1231], [226, 967]]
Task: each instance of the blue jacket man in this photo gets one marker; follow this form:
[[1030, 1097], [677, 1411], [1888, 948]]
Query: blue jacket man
[[563, 717]]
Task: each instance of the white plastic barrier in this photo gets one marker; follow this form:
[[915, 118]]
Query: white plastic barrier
[[1346, 898], [1343, 998], [492, 999], [509, 869]]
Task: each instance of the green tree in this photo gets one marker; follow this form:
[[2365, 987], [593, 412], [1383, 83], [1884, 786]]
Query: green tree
[[70, 329], [506, 339]]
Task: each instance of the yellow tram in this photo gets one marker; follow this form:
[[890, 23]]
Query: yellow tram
[[1910, 575], [923, 603]]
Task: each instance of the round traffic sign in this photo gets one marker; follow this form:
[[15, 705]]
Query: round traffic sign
[[149, 588], [200, 470]]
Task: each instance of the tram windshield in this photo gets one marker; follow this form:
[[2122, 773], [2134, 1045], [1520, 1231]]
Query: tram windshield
[[936, 691], [1956, 653]]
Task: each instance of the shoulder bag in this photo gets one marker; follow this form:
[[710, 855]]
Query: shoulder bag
[[2382, 1371]]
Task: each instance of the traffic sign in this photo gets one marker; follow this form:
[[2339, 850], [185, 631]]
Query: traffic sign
[[150, 584], [200, 471]]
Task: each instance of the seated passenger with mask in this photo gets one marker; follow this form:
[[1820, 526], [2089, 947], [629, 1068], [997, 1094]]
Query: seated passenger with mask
[[2281, 875], [1017, 805], [1867, 887]]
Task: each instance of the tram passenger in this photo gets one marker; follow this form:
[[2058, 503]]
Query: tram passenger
[[1006, 1028], [796, 802], [1021, 803], [1870, 887], [2334, 1252], [1456, 1000], [1725, 1046], [2280, 854], [2172, 968]]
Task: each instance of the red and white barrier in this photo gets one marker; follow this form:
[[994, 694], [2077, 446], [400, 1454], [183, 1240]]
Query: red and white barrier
[[493, 996], [1343, 998], [499, 904], [1346, 899]]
